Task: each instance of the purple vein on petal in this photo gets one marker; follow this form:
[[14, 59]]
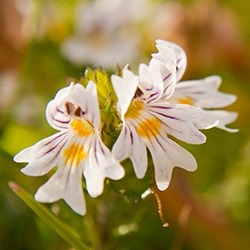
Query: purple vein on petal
[[166, 77], [165, 124], [131, 136], [100, 146], [160, 107], [59, 111], [95, 151], [58, 152], [149, 88], [60, 121], [55, 138], [164, 115], [153, 97], [166, 89], [51, 149]]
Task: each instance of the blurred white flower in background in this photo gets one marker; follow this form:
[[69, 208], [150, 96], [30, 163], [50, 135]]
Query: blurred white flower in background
[[107, 32]]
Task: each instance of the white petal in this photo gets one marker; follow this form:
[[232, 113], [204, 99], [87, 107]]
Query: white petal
[[138, 155], [55, 112], [64, 184], [224, 118], [129, 145], [203, 93], [207, 122], [94, 181], [162, 165], [43, 155], [122, 147], [151, 80], [40, 149], [179, 121], [156, 78], [73, 194], [101, 164], [37, 168], [177, 56], [87, 100], [125, 88], [166, 55], [77, 96], [111, 168], [92, 105], [166, 155], [179, 156]]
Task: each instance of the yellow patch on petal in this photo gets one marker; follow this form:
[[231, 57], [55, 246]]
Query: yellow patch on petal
[[82, 127], [186, 100], [74, 154], [149, 128], [134, 109]]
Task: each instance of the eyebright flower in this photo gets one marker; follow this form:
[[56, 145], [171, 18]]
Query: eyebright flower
[[151, 118], [76, 149]]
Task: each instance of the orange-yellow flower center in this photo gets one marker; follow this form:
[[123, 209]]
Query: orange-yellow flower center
[[186, 100], [74, 154], [134, 109], [149, 128], [82, 127]]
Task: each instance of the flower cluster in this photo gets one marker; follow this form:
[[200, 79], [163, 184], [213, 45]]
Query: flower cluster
[[155, 108]]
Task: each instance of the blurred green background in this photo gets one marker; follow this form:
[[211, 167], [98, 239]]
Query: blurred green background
[[45, 43]]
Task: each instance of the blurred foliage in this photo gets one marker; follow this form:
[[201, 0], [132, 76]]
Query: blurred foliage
[[208, 209]]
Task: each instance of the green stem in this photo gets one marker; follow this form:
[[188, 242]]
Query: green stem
[[51, 220]]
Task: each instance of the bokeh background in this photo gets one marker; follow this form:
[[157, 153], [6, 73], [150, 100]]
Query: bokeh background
[[45, 43]]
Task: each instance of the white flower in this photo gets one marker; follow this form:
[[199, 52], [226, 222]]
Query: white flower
[[200, 93], [152, 114], [148, 121], [76, 149]]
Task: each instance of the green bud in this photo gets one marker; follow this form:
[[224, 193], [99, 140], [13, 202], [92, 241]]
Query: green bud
[[107, 103]]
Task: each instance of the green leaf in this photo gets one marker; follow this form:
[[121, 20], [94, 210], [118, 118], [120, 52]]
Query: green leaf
[[51, 220]]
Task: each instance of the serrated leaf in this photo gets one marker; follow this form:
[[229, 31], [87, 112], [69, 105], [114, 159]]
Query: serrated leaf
[[50, 219]]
